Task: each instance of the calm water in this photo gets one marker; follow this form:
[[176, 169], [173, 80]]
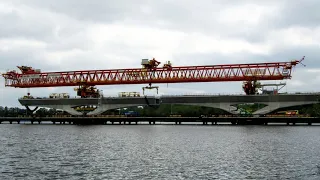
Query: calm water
[[159, 152]]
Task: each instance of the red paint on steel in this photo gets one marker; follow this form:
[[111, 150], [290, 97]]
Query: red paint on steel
[[184, 74]]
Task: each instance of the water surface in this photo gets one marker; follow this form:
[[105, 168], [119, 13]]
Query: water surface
[[159, 152]]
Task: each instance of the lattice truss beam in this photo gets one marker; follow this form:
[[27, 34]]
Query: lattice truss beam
[[215, 73]]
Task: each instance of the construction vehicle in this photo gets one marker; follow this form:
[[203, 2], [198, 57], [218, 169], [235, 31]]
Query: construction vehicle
[[151, 73]]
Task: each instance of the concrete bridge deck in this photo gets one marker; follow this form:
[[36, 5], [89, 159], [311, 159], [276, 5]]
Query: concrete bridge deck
[[88, 101], [240, 99], [233, 99], [225, 102]]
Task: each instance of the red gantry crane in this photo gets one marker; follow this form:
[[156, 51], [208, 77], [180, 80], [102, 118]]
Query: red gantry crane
[[150, 73]]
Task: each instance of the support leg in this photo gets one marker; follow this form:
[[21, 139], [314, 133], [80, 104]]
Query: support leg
[[31, 111]]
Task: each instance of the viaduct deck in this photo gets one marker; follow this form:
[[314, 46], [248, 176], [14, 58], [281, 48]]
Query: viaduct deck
[[224, 102], [233, 99]]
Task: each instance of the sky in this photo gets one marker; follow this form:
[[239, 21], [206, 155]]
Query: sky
[[83, 35]]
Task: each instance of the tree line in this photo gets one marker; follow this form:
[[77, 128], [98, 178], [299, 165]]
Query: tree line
[[161, 111]]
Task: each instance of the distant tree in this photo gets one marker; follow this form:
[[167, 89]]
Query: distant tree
[[6, 111]]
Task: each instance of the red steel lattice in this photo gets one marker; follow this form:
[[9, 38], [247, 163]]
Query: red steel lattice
[[214, 73]]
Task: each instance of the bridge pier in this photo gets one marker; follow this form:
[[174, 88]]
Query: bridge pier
[[31, 111], [67, 108]]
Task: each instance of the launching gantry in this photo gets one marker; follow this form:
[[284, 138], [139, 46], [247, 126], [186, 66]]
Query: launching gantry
[[151, 73]]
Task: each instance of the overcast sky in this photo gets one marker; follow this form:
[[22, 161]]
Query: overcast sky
[[65, 35]]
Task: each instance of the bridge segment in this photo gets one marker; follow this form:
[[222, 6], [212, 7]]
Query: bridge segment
[[228, 102], [224, 102], [103, 104]]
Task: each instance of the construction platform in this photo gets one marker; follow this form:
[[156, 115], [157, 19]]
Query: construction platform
[[162, 120]]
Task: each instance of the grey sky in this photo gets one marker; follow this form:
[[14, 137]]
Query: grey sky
[[78, 34]]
